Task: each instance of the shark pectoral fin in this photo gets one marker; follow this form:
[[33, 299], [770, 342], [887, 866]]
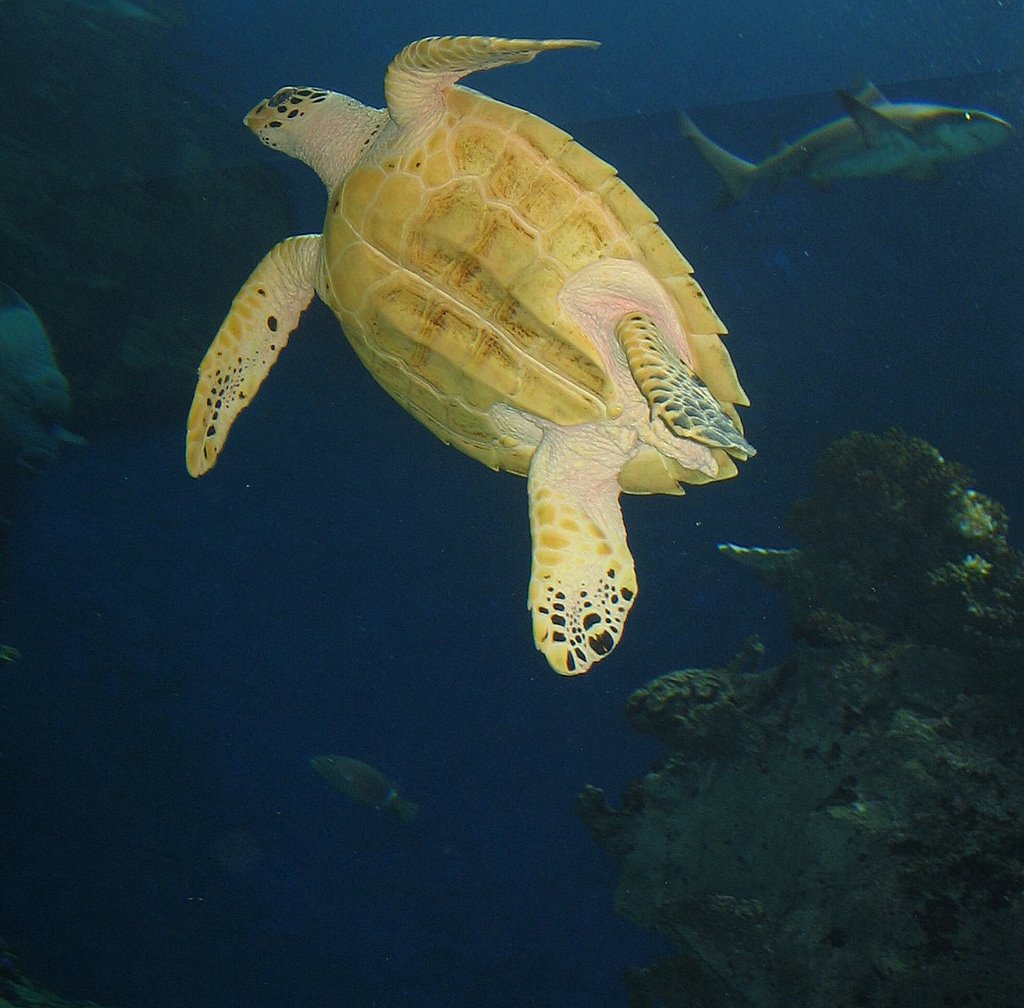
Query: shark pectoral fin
[[874, 127]]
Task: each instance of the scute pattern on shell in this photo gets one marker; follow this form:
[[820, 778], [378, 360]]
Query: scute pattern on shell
[[444, 263]]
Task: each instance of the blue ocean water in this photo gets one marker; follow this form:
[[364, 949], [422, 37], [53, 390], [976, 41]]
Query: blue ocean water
[[343, 582]]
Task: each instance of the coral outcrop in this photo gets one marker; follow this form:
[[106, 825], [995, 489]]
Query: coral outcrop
[[896, 536], [845, 829]]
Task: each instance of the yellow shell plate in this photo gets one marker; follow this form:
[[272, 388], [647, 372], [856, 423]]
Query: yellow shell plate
[[443, 264]]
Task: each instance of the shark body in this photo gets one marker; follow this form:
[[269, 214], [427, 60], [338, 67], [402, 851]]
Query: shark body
[[875, 137]]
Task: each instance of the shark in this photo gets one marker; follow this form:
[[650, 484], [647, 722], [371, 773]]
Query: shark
[[875, 137]]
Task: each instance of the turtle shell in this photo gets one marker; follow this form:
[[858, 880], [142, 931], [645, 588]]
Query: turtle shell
[[443, 260]]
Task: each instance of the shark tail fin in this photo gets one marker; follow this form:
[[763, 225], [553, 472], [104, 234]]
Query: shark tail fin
[[737, 174]]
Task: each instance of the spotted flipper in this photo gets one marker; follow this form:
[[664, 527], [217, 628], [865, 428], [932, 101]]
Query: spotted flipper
[[263, 315], [582, 583], [675, 394], [422, 72]]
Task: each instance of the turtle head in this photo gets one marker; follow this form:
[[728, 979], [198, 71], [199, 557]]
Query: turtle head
[[328, 131]]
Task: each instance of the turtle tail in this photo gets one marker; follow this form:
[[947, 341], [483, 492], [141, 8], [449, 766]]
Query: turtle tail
[[737, 174]]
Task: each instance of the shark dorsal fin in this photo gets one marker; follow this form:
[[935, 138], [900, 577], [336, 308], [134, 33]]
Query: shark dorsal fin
[[873, 125], [868, 94]]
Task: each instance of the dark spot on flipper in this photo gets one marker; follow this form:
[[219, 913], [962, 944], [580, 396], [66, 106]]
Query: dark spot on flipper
[[601, 643], [590, 619], [272, 323], [627, 594]]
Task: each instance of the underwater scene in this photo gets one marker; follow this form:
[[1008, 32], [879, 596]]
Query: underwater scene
[[511, 506]]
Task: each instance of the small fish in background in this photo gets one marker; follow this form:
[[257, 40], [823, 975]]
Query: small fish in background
[[365, 784], [875, 137], [34, 396]]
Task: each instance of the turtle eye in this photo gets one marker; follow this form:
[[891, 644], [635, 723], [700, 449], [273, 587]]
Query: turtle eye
[[282, 95]]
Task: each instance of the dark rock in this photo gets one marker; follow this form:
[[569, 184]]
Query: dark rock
[[130, 210], [846, 830]]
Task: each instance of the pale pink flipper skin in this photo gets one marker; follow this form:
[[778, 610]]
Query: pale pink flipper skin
[[583, 580]]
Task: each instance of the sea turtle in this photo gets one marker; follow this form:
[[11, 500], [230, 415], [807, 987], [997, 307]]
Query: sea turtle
[[506, 288]]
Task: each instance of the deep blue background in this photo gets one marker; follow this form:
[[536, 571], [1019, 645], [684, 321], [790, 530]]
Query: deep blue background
[[344, 583]]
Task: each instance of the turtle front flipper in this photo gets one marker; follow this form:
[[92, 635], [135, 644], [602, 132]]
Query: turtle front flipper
[[263, 315], [422, 72], [675, 394], [582, 582]]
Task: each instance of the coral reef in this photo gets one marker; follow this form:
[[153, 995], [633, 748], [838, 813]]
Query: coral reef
[[130, 210], [701, 711], [896, 536], [844, 830]]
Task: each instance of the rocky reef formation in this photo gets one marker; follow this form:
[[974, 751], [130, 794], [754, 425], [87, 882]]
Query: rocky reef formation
[[896, 536], [130, 209], [18, 991], [845, 829]]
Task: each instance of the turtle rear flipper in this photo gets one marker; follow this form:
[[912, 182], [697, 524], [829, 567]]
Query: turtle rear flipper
[[263, 315], [675, 394]]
